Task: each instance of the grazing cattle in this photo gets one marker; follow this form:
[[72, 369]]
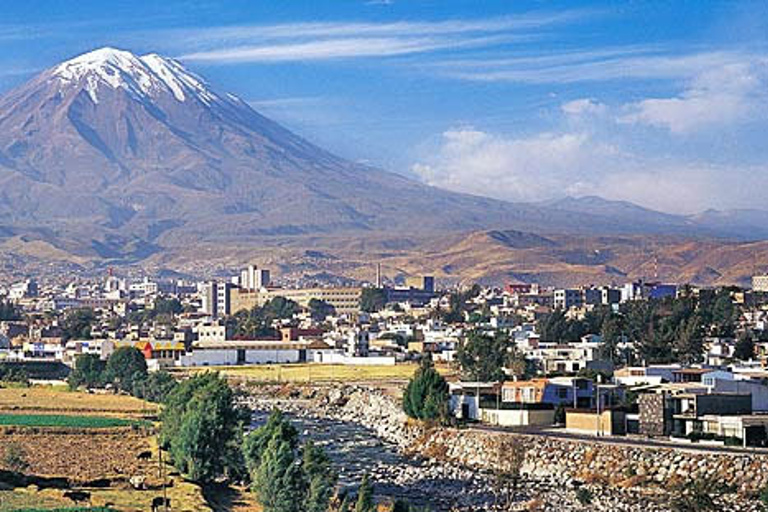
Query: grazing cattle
[[137, 481], [145, 455], [158, 502], [78, 496]]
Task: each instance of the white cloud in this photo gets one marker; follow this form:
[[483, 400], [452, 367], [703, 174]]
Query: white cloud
[[583, 106], [334, 49], [555, 164], [334, 40], [607, 64], [716, 97], [523, 169]]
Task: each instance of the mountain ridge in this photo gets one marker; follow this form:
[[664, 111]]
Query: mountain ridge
[[117, 158]]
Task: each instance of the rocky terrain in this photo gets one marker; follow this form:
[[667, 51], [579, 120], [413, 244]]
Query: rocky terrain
[[366, 432]]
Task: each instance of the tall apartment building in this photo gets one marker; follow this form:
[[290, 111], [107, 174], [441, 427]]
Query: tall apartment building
[[216, 298], [254, 278], [566, 298]]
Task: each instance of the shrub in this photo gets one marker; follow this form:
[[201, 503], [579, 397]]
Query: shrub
[[583, 496], [15, 458]]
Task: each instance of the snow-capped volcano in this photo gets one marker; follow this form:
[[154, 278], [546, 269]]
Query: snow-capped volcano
[[111, 145], [143, 76]]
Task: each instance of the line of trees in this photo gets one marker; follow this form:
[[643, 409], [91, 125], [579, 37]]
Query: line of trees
[[662, 330], [125, 370], [257, 322], [203, 430]]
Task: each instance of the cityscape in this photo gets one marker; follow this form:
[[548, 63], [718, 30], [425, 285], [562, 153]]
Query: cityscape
[[383, 256]]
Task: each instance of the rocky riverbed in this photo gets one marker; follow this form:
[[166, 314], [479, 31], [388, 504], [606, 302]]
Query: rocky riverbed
[[365, 432]]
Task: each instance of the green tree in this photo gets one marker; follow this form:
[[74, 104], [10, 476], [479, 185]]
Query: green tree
[[257, 441], [279, 308], [373, 299], [483, 358], [319, 309], [125, 366], [283, 481], [554, 327], [279, 482], [745, 347], [426, 396], [320, 477], [201, 426], [518, 365], [365, 501], [165, 306], [77, 324], [88, 372], [724, 314], [611, 332], [689, 342], [8, 311], [155, 387]]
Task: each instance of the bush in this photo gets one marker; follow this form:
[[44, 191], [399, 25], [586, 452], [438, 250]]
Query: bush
[[15, 458], [88, 372], [155, 387], [583, 496]]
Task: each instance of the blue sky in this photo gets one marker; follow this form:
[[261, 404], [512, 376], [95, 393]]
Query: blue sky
[[661, 103]]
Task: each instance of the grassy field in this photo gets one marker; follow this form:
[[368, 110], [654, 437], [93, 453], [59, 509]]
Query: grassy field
[[321, 372], [62, 401], [64, 421], [82, 451]]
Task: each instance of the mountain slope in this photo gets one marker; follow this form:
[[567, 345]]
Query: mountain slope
[[117, 157], [127, 147]]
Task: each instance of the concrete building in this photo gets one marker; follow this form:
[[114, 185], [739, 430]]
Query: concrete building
[[343, 300], [566, 298], [254, 278], [760, 283]]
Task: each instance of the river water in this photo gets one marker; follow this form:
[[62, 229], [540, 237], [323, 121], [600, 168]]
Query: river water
[[356, 451]]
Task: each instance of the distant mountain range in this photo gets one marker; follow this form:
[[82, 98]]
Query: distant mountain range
[[113, 158]]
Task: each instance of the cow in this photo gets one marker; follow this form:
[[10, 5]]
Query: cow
[[158, 502], [145, 455], [137, 481], [78, 496]]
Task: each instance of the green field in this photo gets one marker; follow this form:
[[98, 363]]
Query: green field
[[64, 421]]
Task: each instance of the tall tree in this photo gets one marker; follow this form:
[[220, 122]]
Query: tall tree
[[88, 372], [125, 366], [554, 327], [611, 332], [78, 322], [689, 343], [483, 358], [200, 426], [319, 309], [373, 299], [279, 482], [256, 442], [320, 477], [724, 314], [426, 396], [745, 346]]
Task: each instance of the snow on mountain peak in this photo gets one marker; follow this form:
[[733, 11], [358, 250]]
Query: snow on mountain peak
[[142, 76]]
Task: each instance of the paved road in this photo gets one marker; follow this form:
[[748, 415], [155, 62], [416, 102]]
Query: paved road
[[621, 440]]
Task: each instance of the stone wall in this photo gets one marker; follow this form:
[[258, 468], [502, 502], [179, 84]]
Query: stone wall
[[563, 460]]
